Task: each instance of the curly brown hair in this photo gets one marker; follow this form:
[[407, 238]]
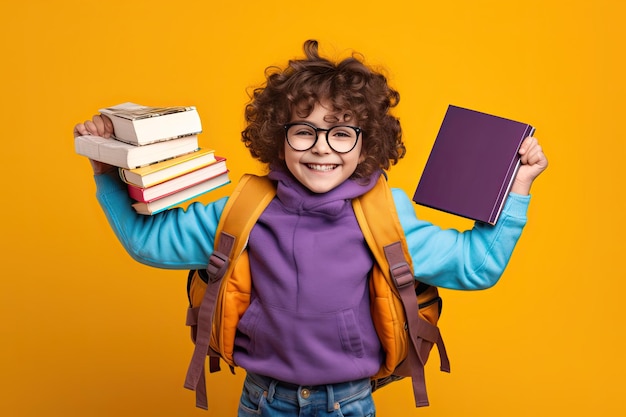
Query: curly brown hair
[[355, 91]]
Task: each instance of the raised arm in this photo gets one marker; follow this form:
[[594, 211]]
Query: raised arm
[[174, 239]]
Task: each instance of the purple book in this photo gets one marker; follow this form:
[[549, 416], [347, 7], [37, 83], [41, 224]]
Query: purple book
[[472, 165]]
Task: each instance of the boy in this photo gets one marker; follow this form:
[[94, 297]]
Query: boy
[[325, 131]]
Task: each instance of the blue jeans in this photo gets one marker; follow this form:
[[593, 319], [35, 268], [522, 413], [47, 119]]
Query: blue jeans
[[267, 397]]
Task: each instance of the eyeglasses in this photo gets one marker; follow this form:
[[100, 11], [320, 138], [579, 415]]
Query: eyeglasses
[[303, 136]]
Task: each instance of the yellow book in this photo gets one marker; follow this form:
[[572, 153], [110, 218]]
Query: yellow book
[[150, 175]]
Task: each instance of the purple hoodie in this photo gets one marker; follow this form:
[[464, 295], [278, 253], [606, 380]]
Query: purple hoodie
[[309, 320]]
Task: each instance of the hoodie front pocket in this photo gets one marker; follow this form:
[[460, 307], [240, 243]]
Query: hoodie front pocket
[[246, 330], [349, 333]]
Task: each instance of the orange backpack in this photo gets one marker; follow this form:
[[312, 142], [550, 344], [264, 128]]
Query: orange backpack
[[405, 312]]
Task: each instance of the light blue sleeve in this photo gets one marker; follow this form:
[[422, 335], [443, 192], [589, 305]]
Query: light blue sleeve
[[468, 260], [173, 239]]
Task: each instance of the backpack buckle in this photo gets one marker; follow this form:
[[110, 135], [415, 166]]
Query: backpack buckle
[[219, 259], [217, 266], [402, 275]]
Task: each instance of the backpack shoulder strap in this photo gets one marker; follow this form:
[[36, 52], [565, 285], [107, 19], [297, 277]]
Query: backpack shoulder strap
[[243, 208], [377, 216], [383, 232]]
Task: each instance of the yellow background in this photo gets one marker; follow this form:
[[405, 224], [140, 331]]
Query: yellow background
[[85, 331]]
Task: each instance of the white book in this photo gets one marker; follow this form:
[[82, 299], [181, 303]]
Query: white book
[[124, 155], [141, 125]]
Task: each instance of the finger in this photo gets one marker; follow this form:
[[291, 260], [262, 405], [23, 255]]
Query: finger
[[530, 145], [539, 158], [99, 124], [527, 143], [536, 157], [528, 156], [80, 130], [91, 127], [108, 126]]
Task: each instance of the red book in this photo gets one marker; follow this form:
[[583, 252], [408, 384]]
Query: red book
[[181, 196], [179, 183], [472, 164]]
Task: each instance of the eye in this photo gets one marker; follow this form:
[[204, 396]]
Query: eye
[[341, 132], [301, 130]]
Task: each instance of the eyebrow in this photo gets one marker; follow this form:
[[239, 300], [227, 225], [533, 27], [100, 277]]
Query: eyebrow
[[329, 126], [331, 118]]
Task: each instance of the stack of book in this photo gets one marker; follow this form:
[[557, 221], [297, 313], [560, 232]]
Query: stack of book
[[157, 153]]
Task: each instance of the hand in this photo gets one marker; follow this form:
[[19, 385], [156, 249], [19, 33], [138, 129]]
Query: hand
[[533, 163], [98, 126]]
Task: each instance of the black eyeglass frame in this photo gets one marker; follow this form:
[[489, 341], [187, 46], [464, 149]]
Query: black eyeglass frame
[[317, 130]]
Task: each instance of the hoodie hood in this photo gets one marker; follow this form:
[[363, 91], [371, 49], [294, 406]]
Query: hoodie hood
[[298, 199]]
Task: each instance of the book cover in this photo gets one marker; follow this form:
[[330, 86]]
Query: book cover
[[159, 172], [124, 155], [141, 125], [472, 164], [182, 196], [176, 184]]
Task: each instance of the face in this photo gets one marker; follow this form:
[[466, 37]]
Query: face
[[320, 169]]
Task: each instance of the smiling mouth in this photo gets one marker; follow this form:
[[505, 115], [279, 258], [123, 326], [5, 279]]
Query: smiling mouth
[[322, 167]]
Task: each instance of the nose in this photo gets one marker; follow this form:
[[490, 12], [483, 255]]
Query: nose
[[321, 144]]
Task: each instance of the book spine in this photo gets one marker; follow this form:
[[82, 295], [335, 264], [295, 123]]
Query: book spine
[[510, 178], [123, 173], [136, 193]]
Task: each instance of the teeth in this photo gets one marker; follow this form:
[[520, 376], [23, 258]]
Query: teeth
[[318, 167]]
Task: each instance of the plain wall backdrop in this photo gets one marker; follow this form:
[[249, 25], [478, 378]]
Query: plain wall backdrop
[[86, 331]]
